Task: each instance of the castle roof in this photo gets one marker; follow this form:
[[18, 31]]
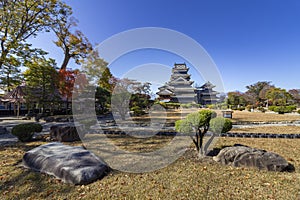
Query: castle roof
[[208, 85]]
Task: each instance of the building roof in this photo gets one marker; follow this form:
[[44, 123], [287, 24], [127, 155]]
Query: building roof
[[208, 85], [165, 92], [181, 80], [17, 95]]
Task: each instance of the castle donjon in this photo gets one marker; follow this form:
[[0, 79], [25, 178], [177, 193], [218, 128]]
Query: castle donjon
[[179, 89]]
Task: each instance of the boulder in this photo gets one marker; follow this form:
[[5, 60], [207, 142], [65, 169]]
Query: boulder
[[70, 164], [244, 156], [64, 133], [3, 130]]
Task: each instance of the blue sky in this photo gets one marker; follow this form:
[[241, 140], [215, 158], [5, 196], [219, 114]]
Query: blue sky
[[249, 41]]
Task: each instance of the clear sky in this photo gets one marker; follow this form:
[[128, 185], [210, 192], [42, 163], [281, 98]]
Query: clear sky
[[249, 40]]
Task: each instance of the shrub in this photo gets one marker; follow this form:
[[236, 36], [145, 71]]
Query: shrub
[[272, 108], [283, 109], [211, 106], [249, 107], [137, 111], [186, 105], [220, 125], [261, 109], [241, 108], [172, 105], [298, 111], [24, 132]]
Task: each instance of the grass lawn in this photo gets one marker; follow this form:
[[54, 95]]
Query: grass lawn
[[269, 129], [237, 116], [187, 178], [246, 116]]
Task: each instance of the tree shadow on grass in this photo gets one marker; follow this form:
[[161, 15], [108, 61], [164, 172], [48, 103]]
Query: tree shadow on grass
[[21, 183], [33, 184]]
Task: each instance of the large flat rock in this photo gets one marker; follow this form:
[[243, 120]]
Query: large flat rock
[[244, 156], [70, 164]]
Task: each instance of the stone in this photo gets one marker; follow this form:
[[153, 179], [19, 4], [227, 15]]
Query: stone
[[244, 156], [70, 164], [64, 133], [3, 130]]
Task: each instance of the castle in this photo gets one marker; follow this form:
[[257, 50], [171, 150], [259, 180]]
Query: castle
[[180, 89]]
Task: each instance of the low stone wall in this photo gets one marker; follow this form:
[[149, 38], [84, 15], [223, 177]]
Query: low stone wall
[[261, 135]]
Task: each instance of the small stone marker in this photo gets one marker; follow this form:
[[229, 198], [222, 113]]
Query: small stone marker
[[227, 114]]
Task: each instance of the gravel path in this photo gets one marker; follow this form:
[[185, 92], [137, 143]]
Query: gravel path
[[7, 139]]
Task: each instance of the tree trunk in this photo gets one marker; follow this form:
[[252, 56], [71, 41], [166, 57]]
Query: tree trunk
[[18, 111], [201, 144], [66, 61]]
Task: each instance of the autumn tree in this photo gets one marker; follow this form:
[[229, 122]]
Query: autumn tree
[[258, 90], [73, 43], [66, 84], [296, 95]]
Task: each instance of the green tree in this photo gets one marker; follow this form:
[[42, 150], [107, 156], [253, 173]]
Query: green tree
[[21, 20], [97, 71], [279, 97], [220, 125], [41, 82], [197, 123], [103, 98], [125, 96], [10, 74], [235, 99], [106, 80]]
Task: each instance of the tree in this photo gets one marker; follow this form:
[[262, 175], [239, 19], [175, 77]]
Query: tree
[[10, 74], [197, 123], [97, 71], [103, 98], [296, 95], [41, 82], [257, 90], [21, 20], [236, 99], [278, 96], [74, 45], [121, 97], [107, 81], [220, 125], [66, 84], [126, 95]]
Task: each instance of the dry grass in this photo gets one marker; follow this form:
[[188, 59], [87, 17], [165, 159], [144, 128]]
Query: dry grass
[[245, 116], [269, 129], [241, 116], [187, 178]]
